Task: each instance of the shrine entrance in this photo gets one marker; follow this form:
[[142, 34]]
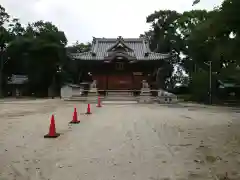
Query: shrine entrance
[[119, 82]]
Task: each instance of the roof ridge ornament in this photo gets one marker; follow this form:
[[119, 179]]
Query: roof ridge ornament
[[94, 46], [120, 38], [120, 44], [94, 40]]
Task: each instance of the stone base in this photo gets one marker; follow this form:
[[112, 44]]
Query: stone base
[[145, 90], [167, 100], [145, 100], [92, 95], [93, 90], [145, 96]]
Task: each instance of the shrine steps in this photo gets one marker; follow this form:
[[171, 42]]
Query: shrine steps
[[120, 96]]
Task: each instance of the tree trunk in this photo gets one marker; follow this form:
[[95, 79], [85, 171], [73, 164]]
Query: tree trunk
[[51, 88], [159, 79]]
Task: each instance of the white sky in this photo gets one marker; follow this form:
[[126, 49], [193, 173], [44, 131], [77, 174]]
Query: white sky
[[83, 19]]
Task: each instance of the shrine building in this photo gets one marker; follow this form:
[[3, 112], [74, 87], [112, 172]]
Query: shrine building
[[121, 64]]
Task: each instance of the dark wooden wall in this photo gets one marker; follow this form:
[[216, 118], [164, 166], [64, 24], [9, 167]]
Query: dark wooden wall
[[119, 75]]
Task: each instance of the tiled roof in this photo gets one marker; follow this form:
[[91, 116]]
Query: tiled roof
[[18, 79], [100, 46]]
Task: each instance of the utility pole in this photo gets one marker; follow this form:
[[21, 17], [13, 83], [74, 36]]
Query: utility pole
[[210, 81], [1, 69]]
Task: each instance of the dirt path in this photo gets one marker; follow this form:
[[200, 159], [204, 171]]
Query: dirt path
[[119, 142]]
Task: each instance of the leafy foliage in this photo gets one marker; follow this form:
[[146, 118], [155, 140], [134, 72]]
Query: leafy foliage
[[79, 48], [196, 37], [37, 51]]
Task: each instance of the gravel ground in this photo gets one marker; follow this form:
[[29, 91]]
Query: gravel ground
[[119, 141]]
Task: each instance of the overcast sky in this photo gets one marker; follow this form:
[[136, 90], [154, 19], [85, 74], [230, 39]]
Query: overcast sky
[[83, 19]]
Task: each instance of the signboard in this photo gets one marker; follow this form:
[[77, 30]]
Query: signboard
[[137, 73], [119, 66]]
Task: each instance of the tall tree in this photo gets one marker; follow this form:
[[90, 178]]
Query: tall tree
[[164, 39], [39, 50], [79, 47], [4, 39]]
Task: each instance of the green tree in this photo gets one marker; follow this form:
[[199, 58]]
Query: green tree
[[4, 40], [197, 37], [79, 48], [47, 53], [171, 32], [186, 25], [163, 37], [38, 51], [216, 39]]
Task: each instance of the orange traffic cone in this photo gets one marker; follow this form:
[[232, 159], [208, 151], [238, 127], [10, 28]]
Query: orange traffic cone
[[75, 117], [88, 109], [52, 130], [99, 102]]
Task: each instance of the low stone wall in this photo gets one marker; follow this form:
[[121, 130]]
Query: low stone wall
[[166, 97], [162, 97], [69, 92]]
